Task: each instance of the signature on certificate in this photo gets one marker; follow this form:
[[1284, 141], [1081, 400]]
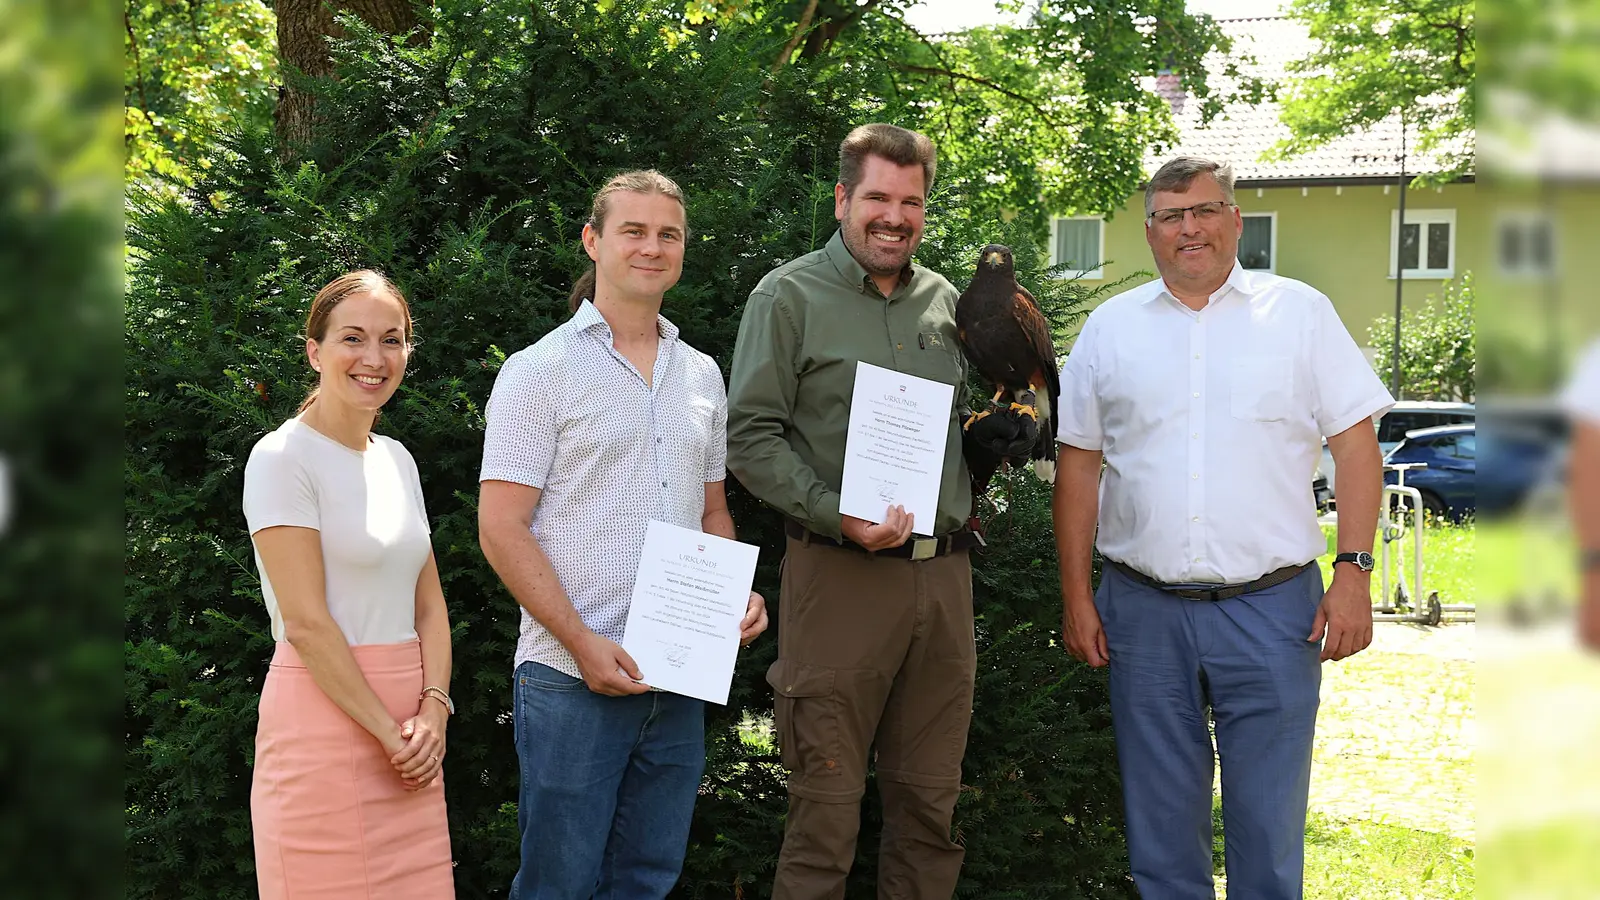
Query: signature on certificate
[[887, 491]]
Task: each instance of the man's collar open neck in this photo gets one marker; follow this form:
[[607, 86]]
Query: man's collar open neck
[[625, 319], [1235, 280], [855, 273]]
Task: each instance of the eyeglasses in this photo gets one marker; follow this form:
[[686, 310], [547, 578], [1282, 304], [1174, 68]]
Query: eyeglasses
[[1203, 212]]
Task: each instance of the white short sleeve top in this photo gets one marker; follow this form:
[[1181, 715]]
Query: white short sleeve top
[[367, 506], [1212, 421]]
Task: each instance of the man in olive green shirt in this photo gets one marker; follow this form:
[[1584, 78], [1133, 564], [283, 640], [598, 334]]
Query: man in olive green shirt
[[875, 636]]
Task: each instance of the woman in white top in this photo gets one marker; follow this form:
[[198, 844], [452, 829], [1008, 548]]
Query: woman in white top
[[347, 798]]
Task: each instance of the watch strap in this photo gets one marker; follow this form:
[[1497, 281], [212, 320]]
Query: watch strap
[[1355, 556]]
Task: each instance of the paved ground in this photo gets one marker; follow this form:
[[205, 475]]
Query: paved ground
[[1397, 731]]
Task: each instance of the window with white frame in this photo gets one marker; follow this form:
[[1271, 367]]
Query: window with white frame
[[1258, 243], [1079, 243], [1525, 243], [1425, 246]]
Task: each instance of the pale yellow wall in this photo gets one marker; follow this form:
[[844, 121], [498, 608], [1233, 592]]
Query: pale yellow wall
[[1335, 239]]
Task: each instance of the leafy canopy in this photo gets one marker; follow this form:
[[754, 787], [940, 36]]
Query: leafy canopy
[[1377, 58]]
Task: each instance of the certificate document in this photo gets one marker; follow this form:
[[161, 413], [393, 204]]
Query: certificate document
[[894, 450], [690, 593]]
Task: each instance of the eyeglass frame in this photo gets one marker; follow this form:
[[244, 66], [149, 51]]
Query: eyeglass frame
[[1185, 211]]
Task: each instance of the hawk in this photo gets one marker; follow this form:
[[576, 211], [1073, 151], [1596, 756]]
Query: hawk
[[1006, 338]]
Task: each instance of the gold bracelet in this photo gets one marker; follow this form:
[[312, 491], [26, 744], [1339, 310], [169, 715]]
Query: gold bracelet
[[439, 694]]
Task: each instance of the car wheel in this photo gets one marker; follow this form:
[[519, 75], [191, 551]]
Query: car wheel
[[1432, 506]]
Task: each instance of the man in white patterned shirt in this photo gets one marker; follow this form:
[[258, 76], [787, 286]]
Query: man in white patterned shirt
[[1207, 394], [606, 423]]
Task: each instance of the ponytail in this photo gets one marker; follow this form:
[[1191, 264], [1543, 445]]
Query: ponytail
[[583, 290], [310, 399]]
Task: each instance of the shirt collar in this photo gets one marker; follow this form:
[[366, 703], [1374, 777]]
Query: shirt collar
[[588, 317], [1238, 281], [850, 270]]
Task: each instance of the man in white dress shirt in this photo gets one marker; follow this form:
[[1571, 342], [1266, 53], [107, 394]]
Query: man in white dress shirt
[[1207, 393], [1582, 402]]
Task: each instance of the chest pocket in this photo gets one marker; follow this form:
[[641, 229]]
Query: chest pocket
[[1262, 388], [935, 357]]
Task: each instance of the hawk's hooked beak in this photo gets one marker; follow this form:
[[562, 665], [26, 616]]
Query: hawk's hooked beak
[[993, 258]]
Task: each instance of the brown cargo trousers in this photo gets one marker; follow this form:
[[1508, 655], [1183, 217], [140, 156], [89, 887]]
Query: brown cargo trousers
[[874, 654]]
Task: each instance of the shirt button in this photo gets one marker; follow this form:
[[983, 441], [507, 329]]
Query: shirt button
[[899, 346], [1196, 435], [1194, 475], [1197, 518], [1197, 559], [1197, 356]]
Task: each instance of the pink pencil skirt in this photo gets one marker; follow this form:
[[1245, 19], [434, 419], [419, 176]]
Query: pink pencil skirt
[[330, 816]]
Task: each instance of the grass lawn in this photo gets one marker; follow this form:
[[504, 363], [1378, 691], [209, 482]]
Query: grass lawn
[[1393, 783], [1449, 559]]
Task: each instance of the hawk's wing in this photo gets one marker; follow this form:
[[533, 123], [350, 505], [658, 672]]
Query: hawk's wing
[[1032, 322]]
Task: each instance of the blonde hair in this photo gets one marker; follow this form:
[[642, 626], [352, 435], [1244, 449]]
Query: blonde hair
[[335, 292], [639, 181]]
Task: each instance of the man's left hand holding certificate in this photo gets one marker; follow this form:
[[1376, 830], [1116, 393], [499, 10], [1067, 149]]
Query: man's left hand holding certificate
[[689, 599]]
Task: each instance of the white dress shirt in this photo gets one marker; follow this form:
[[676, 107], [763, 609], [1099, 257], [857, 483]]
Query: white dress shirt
[[609, 452], [1581, 398], [1211, 423]]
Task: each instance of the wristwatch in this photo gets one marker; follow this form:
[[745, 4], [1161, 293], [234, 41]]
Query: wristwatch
[[1362, 559]]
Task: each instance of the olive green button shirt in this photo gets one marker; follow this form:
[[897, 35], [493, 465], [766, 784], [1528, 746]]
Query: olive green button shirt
[[794, 369]]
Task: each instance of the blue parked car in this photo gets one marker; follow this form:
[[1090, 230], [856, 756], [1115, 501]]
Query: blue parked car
[[1449, 483]]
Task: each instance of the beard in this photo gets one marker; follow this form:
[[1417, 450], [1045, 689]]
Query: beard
[[879, 259]]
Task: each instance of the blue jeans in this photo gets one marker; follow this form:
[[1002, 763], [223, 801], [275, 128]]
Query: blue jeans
[[1247, 660], [608, 788]]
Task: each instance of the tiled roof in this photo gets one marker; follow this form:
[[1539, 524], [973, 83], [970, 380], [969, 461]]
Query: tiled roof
[[1240, 134]]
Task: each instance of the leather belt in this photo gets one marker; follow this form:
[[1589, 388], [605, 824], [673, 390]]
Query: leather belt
[[1221, 591], [916, 549]]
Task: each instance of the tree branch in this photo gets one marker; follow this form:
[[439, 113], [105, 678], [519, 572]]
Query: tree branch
[[984, 82], [1462, 31], [932, 48], [138, 65], [799, 32]]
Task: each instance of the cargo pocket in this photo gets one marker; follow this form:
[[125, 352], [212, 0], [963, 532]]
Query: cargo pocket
[[805, 715]]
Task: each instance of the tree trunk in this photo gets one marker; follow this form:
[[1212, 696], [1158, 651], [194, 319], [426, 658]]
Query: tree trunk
[[304, 27]]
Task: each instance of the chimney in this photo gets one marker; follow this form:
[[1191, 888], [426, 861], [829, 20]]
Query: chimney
[[1169, 87]]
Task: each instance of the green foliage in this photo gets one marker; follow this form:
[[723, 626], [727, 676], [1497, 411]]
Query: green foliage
[[1378, 58], [192, 68], [60, 529], [1438, 346], [1050, 116], [463, 165], [1539, 62]]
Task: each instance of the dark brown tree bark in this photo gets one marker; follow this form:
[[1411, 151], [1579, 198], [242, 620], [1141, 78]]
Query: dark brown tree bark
[[304, 27]]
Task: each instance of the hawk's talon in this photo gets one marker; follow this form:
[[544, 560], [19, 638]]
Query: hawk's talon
[[967, 425], [1023, 409]]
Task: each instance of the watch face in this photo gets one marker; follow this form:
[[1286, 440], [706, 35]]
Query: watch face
[[1364, 560]]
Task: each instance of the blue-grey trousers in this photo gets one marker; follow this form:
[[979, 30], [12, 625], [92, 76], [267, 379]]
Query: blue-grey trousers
[[1247, 660]]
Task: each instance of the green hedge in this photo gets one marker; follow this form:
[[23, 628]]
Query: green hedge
[[463, 167]]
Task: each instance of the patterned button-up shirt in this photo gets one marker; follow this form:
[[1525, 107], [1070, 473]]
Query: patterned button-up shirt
[[609, 452]]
